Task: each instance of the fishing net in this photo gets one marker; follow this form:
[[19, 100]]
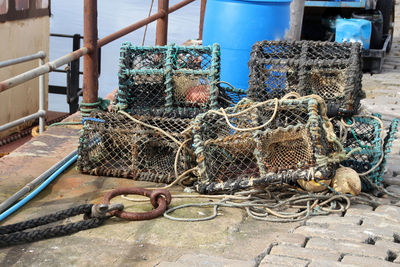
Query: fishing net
[[171, 77], [329, 70], [366, 133], [256, 144], [141, 147]]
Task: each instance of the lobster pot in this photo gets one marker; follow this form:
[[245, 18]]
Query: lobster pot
[[169, 77], [329, 70], [365, 133], [114, 145], [257, 144]]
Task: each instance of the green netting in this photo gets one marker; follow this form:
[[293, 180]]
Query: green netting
[[169, 78], [365, 133]]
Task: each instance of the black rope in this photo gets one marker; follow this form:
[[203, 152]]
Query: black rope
[[13, 234]]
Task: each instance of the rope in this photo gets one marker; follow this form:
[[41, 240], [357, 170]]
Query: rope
[[145, 29], [224, 114], [151, 127], [268, 205], [232, 197], [101, 104], [344, 124], [15, 234], [65, 123], [87, 108]]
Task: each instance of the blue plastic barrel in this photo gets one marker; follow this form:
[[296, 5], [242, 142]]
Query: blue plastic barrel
[[353, 30], [236, 25]]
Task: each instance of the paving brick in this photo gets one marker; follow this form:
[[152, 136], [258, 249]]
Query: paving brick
[[326, 263], [366, 261], [392, 246], [197, 260], [358, 210], [324, 221], [381, 223], [274, 260], [388, 211], [394, 189], [374, 232], [346, 247], [290, 239], [392, 180], [304, 253], [358, 237]]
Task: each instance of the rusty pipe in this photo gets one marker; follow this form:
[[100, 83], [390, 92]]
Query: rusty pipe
[[112, 37], [90, 61], [179, 5], [162, 23], [48, 67], [201, 23]]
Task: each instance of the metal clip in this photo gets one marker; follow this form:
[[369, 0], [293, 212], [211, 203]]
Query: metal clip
[[101, 210]]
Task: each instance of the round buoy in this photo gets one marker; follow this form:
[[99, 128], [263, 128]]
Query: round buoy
[[346, 181]]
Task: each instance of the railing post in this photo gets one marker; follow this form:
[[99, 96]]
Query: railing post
[[73, 78], [202, 12], [162, 23], [90, 61], [42, 118]]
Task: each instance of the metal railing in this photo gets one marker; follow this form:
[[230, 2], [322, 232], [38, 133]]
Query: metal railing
[[92, 44], [41, 114]]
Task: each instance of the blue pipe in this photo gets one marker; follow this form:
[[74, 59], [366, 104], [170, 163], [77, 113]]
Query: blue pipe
[[38, 189]]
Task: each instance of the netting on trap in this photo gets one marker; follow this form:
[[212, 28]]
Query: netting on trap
[[258, 144], [366, 134], [143, 148], [169, 77], [329, 70]]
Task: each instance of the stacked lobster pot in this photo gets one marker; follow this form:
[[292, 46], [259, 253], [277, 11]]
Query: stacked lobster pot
[[256, 144], [329, 70], [333, 72], [147, 134]]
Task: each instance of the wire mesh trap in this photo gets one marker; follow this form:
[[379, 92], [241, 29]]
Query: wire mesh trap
[[329, 70], [171, 77], [366, 133], [143, 148], [257, 144]]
